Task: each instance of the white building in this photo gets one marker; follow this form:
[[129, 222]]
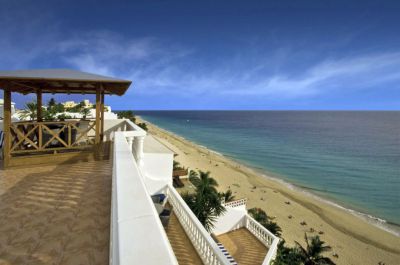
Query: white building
[[2, 108], [69, 104], [14, 115]]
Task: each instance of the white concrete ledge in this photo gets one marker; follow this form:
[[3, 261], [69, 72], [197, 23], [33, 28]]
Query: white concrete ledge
[[137, 236]]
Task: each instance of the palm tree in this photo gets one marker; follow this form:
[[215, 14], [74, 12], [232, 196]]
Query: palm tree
[[203, 183], [30, 110], [311, 255], [227, 196], [52, 103], [85, 112], [259, 215], [177, 165], [287, 255], [205, 202], [273, 227]]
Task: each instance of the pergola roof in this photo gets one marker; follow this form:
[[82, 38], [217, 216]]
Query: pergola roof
[[60, 81]]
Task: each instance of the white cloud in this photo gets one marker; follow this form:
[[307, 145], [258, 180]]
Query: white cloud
[[347, 73], [360, 72], [164, 68]]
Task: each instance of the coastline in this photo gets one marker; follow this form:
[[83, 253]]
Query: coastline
[[355, 240], [392, 228], [380, 223]]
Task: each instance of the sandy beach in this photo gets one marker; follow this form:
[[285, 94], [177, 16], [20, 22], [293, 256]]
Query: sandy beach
[[353, 239]]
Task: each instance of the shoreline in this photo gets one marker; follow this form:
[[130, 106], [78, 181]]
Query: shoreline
[[378, 222], [353, 227], [385, 225]]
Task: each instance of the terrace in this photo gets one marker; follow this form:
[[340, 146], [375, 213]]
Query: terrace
[[99, 210], [55, 214]]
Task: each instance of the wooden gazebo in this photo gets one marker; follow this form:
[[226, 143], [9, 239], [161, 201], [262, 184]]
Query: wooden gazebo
[[32, 142]]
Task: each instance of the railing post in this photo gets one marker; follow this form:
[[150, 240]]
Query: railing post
[[139, 150], [130, 142], [40, 136]]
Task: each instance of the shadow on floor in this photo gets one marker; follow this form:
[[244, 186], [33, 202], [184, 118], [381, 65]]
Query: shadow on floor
[[55, 214]]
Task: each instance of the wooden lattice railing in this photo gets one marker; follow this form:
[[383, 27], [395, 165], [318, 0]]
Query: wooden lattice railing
[[33, 136]]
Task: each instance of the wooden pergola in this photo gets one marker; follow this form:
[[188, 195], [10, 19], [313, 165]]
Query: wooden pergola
[[31, 142]]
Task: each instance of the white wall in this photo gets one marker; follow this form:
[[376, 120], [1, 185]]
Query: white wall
[[2, 108], [157, 169], [107, 115], [111, 126], [231, 220]]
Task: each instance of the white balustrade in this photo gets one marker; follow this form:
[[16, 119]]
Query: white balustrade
[[130, 142], [236, 203], [200, 238], [266, 237], [139, 140], [135, 137]]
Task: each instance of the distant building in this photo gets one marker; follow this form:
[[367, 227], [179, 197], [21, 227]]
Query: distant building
[[69, 104], [2, 108], [87, 103]]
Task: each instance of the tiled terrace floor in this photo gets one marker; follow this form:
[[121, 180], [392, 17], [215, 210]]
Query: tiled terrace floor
[[55, 214], [245, 248], [183, 248]]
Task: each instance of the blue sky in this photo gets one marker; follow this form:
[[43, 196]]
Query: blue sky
[[216, 54]]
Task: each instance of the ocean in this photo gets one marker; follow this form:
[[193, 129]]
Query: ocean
[[350, 158]]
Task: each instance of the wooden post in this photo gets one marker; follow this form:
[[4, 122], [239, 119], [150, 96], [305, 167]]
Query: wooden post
[[98, 106], [6, 129], [39, 105], [102, 115]]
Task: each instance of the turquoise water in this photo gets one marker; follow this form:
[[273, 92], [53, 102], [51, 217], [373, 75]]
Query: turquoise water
[[351, 158]]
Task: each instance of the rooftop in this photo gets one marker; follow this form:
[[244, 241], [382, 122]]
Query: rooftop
[[60, 81]]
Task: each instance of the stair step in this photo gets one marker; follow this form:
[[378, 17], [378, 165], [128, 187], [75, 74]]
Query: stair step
[[226, 254]]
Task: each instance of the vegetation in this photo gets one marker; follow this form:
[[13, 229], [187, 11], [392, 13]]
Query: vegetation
[[286, 255], [177, 166], [126, 114], [85, 112], [205, 202], [227, 196], [273, 227], [63, 117], [261, 216], [143, 126], [311, 255], [48, 115], [52, 103], [30, 110], [78, 107]]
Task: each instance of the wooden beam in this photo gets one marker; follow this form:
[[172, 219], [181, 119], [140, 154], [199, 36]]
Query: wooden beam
[[102, 115], [98, 106], [39, 104], [6, 127]]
